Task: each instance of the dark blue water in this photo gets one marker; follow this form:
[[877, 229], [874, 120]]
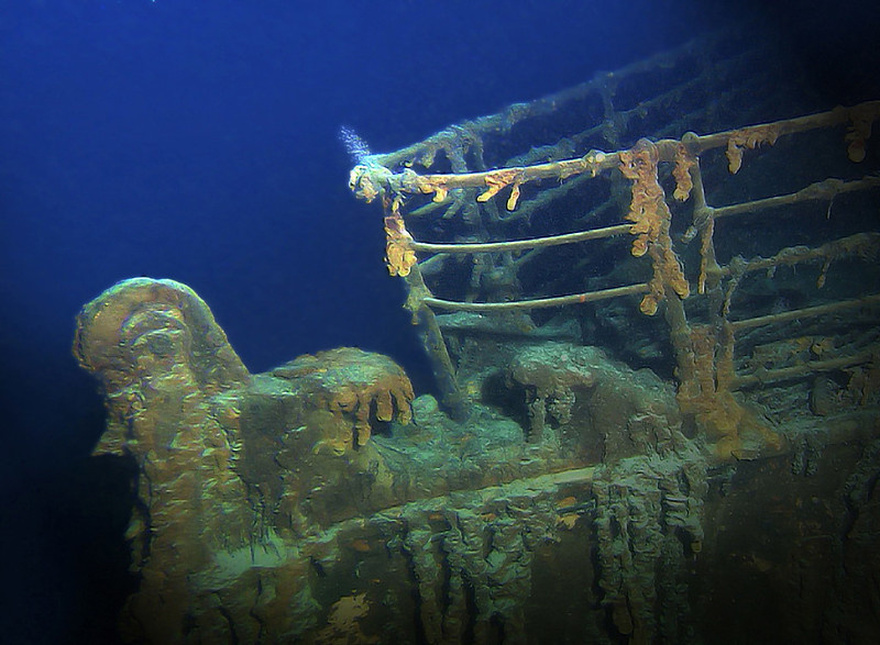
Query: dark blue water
[[198, 141]]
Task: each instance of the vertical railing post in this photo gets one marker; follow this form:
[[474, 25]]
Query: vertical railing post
[[452, 401]]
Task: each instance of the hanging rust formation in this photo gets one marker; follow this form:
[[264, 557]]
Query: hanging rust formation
[[489, 265]]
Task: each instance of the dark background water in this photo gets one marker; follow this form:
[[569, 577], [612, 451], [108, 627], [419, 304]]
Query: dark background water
[[198, 141]]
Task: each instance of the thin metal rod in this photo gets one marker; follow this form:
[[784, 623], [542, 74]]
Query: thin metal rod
[[806, 312], [865, 244], [515, 245], [539, 303], [796, 371], [827, 119], [823, 190]]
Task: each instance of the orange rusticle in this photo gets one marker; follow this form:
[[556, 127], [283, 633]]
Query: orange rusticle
[[684, 161], [706, 235], [514, 197], [357, 387], [399, 254], [433, 184], [749, 138], [646, 208], [651, 216], [496, 180], [733, 428]]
